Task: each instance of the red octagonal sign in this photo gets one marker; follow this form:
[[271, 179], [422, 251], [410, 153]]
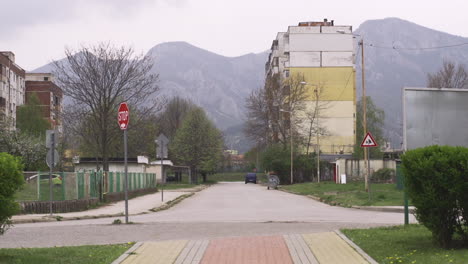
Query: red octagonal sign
[[123, 116]]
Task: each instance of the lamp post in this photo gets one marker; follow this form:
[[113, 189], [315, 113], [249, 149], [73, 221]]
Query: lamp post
[[291, 137]]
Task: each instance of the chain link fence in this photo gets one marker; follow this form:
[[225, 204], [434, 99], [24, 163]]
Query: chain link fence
[[80, 185]]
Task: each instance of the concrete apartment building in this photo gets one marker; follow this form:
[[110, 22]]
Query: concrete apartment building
[[49, 94], [322, 54], [12, 87]]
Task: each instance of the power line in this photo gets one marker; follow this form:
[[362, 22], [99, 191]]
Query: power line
[[415, 48]]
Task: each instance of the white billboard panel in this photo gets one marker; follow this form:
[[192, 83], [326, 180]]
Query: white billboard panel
[[304, 59], [337, 59], [434, 116], [321, 42]]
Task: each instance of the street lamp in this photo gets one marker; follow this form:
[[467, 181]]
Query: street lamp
[[291, 136], [318, 128]]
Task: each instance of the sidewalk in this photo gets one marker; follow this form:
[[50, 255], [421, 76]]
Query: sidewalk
[[323, 248], [139, 205]]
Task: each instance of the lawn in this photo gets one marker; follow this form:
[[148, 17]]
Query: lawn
[[77, 255], [349, 194], [175, 186], [404, 244]]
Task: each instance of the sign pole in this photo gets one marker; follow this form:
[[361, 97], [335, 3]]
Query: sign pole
[[123, 118], [52, 137], [126, 176]]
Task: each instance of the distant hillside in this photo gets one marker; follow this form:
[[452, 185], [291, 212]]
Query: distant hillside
[[220, 84], [389, 70]]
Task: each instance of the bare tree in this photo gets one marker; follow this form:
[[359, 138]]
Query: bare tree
[[312, 114], [174, 113], [258, 120], [265, 120], [449, 76], [98, 78]]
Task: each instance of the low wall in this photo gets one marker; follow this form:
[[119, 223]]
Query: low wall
[[42, 207], [119, 196]]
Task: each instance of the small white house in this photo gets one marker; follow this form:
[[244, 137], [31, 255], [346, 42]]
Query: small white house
[[140, 164]]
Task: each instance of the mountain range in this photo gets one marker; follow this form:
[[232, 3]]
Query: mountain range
[[397, 54]]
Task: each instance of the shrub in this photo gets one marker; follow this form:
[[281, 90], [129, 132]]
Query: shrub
[[383, 175], [11, 179], [277, 158], [436, 179]]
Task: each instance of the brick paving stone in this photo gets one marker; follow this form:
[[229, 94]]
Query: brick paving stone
[[247, 250], [329, 248], [156, 252]]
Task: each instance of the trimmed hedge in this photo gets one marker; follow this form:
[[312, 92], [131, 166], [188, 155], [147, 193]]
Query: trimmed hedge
[[11, 179], [436, 179]]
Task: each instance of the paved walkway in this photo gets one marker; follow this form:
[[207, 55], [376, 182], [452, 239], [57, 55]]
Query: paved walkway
[[323, 248], [136, 206]]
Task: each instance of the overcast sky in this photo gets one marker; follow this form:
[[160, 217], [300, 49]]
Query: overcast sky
[[37, 31]]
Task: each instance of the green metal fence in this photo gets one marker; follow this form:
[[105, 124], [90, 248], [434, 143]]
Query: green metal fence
[[81, 185]]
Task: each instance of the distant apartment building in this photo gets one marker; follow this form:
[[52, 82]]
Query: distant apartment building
[[12, 87], [49, 94], [322, 54]]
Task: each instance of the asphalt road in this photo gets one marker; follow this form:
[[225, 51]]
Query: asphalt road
[[226, 209]]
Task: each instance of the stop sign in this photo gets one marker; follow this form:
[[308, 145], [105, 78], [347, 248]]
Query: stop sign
[[123, 116]]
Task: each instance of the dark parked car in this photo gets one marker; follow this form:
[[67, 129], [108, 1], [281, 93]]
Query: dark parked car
[[251, 177]]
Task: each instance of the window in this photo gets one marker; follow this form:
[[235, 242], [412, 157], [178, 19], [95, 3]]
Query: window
[[46, 78]]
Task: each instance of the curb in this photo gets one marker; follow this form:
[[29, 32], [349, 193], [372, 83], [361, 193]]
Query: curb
[[384, 209], [126, 253], [356, 247]]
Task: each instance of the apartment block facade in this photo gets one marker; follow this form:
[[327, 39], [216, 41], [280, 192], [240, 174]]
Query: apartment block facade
[[12, 87], [49, 94], [322, 55]]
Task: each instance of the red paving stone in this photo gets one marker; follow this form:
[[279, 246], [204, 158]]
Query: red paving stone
[[255, 250]]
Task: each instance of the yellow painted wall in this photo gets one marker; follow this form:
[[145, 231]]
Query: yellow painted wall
[[337, 98], [337, 82]]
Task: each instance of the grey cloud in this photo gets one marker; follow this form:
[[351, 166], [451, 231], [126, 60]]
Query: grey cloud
[[24, 13]]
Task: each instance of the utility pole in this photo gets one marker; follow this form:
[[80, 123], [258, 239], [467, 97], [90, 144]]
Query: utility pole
[[364, 115]]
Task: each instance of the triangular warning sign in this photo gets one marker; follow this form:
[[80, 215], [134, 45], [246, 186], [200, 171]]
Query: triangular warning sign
[[368, 141]]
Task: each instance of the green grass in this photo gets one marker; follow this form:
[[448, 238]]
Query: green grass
[[349, 194], [400, 244], [77, 255], [175, 186]]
